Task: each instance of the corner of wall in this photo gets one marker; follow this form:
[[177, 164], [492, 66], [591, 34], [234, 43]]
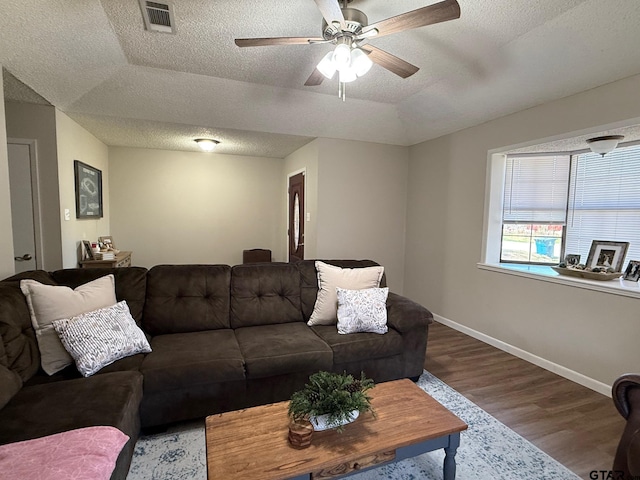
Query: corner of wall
[[7, 267]]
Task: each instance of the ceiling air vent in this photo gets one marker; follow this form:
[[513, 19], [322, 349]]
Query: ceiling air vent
[[158, 16]]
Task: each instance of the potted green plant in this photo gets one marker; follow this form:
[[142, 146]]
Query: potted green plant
[[331, 400]]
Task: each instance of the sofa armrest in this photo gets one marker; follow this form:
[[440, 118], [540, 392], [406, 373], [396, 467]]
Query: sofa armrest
[[404, 315], [620, 392]]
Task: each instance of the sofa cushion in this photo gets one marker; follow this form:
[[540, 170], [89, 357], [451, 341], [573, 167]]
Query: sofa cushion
[[49, 303], [330, 277], [359, 346], [111, 399], [187, 298], [87, 453], [271, 350], [99, 338], [10, 384], [181, 360], [131, 284], [19, 350], [265, 294]]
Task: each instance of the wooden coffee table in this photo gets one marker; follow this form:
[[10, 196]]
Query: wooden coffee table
[[252, 444]]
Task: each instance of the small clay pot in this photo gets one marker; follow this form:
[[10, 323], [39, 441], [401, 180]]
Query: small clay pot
[[300, 433]]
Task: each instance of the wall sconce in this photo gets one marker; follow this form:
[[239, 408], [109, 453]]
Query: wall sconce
[[206, 144], [604, 145]]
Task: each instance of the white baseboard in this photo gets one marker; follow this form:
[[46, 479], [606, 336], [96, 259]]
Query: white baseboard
[[567, 373]]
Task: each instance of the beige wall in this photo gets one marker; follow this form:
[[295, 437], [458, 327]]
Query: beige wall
[[189, 207], [75, 143], [6, 237], [305, 158], [588, 332], [362, 190], [38, 122]]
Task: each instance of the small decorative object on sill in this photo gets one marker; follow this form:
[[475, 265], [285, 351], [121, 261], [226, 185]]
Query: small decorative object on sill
[[300, 433], [339, 397], [581, 271]]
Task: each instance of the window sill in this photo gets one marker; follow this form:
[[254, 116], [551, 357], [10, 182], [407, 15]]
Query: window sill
[[546, 274]]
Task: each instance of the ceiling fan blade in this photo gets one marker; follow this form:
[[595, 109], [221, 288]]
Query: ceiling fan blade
[[390, 62], [436, 13], [261, 42], [331, 11], [316, 78]]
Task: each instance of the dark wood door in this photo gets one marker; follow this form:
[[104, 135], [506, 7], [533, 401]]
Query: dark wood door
[[296, 218]]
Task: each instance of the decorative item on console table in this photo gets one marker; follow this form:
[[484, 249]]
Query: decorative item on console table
[[331, 400], [121, 259]]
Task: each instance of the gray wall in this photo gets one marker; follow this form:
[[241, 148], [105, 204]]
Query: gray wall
[[38, 122], [190, 207], [7, 266], [590, 333]]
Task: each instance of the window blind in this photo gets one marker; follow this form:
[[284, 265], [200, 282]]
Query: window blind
[[604, 201], [536, 189]]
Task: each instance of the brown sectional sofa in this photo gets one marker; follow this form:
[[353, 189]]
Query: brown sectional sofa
[[223, 338]]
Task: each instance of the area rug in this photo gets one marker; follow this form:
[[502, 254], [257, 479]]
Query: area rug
[[488, 450]]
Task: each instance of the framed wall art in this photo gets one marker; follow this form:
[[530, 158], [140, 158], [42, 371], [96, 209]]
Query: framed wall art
[[88, 190], [604, 254]]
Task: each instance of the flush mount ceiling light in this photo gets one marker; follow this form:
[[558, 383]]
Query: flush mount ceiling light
[[349, 29], [206, 144], [604, 145]]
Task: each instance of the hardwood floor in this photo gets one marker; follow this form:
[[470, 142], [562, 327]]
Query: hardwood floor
[[575, 425]]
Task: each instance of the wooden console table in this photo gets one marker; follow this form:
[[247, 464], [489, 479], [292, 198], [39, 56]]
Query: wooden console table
[[123, 259]]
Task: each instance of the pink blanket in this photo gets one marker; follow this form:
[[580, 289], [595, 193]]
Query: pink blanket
[[83, 454]]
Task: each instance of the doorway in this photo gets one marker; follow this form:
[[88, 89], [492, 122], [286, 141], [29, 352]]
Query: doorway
[[296, 217], [25, 206]]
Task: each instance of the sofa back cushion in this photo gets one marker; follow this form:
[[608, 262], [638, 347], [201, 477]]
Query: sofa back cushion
[[187, 298], [131, 284], [309, 280], [10, 384], [19, 351], [265, 294]]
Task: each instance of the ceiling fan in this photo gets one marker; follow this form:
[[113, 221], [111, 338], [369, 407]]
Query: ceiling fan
[[349, 30]]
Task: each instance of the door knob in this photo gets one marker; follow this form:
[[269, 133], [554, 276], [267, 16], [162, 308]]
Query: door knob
[[24, 258]]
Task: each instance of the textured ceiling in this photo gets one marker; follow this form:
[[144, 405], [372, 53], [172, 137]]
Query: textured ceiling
[[95, 61]]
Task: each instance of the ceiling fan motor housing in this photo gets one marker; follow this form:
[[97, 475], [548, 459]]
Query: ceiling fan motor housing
[[354, 20]]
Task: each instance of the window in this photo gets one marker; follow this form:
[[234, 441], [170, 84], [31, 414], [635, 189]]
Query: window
[[558, 204], [534, 209]]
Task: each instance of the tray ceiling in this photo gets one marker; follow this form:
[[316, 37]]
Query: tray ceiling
[[95, 61]]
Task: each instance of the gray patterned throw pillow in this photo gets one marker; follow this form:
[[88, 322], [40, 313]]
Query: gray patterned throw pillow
[[99, 338], [362, 310]]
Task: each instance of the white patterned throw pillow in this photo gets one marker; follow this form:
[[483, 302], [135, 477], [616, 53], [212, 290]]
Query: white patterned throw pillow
[[362, 310], [98, 338]]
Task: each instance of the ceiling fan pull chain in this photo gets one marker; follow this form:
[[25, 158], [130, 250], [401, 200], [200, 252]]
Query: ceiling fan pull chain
[[342, 91]]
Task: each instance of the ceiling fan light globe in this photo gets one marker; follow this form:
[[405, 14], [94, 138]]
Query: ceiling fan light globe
[[326, 66], [342, 56], [360, 62], [347, 75]]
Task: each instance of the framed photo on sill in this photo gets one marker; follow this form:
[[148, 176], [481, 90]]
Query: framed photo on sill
[[633, 271], [604, 254], [88, 190]]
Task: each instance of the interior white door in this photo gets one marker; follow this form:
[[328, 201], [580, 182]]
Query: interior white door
[[22, 220]]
